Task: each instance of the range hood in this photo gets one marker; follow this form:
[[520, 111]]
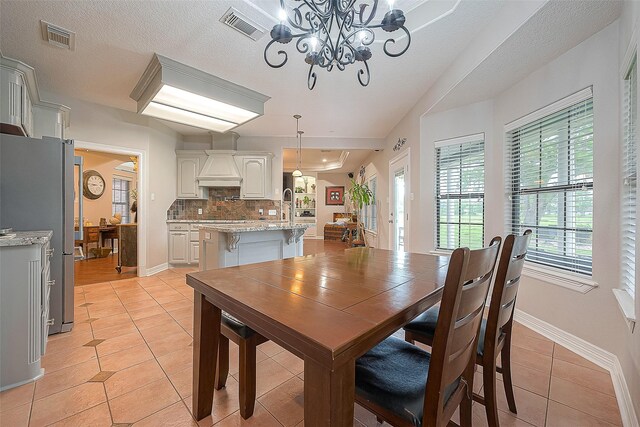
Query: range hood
[[220, 168]]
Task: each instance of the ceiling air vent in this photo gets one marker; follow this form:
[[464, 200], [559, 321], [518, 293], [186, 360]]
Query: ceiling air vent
[[241, 23], [58, 36]]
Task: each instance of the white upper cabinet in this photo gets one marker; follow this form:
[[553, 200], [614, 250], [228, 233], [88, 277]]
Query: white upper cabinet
[[189, 166], [256, 175], [22, 112]]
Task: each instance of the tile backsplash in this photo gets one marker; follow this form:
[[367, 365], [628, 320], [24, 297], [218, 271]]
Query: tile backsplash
[[223, 203]]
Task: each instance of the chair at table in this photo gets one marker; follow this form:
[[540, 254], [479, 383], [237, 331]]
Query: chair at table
[[247, 340], [407, 386], [495, 331]]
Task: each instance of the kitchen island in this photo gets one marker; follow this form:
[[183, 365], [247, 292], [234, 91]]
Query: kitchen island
[[226, 245]]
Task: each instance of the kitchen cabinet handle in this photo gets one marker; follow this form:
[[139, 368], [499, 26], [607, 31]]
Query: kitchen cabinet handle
[[50, 283], [50, 322]]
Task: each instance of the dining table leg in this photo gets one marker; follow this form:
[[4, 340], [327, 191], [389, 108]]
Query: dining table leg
[[206, 336], [329, 394]]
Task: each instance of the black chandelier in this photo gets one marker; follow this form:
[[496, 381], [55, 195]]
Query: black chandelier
[[335, 33]]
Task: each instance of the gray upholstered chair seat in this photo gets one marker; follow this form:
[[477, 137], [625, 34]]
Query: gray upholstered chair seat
[[393, 375]]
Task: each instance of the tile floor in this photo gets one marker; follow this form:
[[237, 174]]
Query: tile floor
[[128, 362]]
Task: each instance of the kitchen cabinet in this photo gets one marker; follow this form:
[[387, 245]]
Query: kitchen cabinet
[[184, 247], [189, 166], [22, 112], [256, 176], [25, 289]]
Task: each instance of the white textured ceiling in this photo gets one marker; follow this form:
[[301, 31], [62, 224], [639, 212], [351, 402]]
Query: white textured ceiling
[[116, 40], [313, 160], [557, 27]]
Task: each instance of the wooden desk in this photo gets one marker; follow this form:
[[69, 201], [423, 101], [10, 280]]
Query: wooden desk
[[328, 309]]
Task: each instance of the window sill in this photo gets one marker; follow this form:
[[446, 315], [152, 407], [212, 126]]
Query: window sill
[[559, 278], [625, 301]]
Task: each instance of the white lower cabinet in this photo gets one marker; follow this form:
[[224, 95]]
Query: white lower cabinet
[[184, 247], [194, 252], [25, 286]]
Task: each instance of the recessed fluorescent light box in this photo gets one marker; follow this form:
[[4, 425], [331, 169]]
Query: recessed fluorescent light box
[[173, 91]]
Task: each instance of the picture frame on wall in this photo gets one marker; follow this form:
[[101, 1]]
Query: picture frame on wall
[[334, 196]]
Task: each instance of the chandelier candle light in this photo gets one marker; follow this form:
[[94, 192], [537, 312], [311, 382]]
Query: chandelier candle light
[[334, 34]]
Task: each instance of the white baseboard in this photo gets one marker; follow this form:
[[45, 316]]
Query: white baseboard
[[600, 357], [157, 269]]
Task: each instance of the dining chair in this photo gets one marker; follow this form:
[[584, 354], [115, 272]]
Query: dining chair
[[495, 330], [407, 386], [247, 340]]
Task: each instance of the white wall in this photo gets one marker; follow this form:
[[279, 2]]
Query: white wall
[[123, 129]]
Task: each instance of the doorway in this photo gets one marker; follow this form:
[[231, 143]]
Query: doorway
[[107, 249], [399, 190]]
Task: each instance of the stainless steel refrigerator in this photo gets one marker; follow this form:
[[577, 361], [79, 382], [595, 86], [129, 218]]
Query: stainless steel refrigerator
[[37, 187]]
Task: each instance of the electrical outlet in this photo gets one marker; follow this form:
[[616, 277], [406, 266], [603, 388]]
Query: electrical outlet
[[199, 211], [272, 212], [261, 211]]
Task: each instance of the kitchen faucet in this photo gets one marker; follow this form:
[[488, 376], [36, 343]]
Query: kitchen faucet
[[291, 213]]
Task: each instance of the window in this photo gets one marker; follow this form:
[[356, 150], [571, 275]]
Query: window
[[629, 181], [460, 192], [370, 211], [550, 183], [120, 199]]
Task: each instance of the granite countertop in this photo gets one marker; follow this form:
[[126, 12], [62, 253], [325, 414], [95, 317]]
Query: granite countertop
[[218, 221], [254, 226], [24, 238]]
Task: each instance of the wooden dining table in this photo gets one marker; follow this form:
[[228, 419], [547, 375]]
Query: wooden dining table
[[328, 309]]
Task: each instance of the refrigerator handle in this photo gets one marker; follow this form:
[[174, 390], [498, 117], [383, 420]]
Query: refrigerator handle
[[78, 161]]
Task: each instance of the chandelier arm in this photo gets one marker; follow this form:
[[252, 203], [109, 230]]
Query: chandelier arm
[[392, 41], [365, 73], [280, 52], [374, 9], [311, 78]]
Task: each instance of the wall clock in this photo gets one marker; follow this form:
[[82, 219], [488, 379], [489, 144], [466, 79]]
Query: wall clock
[[92, 184]]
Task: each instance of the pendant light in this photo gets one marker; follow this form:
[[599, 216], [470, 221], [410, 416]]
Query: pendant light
[[298, 173]]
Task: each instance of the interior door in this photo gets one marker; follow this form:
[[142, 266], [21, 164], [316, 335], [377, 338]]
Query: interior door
[[399, 203]]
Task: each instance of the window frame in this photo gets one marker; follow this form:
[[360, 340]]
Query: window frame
[[126, 219], [461, 141], [575, 281]]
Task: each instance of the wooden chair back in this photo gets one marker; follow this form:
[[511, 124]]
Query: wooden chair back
[[456, 336], [505, 287]]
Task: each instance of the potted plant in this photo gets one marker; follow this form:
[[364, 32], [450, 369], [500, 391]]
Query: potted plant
[[360, 196], [306, 200]]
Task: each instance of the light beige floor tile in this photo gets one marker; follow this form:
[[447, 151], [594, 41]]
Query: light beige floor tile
[[111, 310], [139, 305], [270, 348], [175, 415], [16, 396], [146, 312], [586, 377], [170, 343], [559, 415], [286, 402], [119, 343], [63, 359], [66, 403], [178, 304], [138, 404], [261, 417], [177, 360], [17, 416], [530, 379], [115, 331], [270, 374], [568, 356], [530, 359], [592, 402], [225, 403], [54, 382], [70, 341], [125, 358], [98, 416], [523, 330], [159, 332], [532, 408], [539, 346], [132, 378], [117, 320], [154, 321], [290, 362], [182, 381]]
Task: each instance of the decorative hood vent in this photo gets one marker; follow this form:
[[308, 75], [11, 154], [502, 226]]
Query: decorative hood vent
[[241, 23], [220, 170], [58, 36]]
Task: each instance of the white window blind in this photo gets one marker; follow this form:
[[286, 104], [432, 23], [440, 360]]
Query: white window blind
[[550, 186], [460, 192], [629, 181], [371, 222], [120, 199]]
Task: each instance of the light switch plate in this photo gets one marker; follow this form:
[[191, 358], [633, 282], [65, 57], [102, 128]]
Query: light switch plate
[[199, 211], [261, 211], [273, 212]]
